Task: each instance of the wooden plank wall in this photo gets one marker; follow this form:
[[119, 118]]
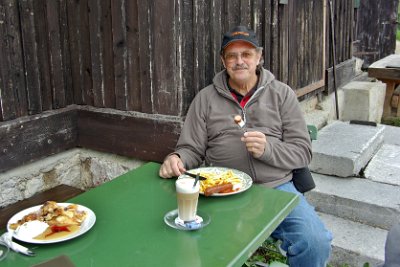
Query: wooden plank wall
[[343, 25], [13, 96], [376, 31], [145, 58], [306, 55], [343, 21], [35, 137]]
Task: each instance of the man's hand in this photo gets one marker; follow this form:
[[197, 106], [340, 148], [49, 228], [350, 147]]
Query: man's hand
[[172, 166], [255, 143]]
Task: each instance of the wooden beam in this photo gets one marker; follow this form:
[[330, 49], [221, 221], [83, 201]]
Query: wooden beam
[[309, 88], [31, 138], [144, 136], [385, 73], [344, 74], [147, 137], [387, 108]]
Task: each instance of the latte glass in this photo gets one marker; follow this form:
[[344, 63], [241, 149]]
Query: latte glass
[[187, 195]]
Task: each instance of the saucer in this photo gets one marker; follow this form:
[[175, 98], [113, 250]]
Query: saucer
[[171, 219]]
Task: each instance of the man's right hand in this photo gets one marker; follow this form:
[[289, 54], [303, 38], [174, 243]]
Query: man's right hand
[[172, 167]]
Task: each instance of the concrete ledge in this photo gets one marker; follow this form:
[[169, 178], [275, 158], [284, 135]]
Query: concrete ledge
[[385, 165], [80, 168], [356, 199], [318, 118], [363, 101], [391, 135], [343, 149]]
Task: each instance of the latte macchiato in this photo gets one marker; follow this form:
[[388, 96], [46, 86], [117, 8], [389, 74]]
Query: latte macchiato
[[187, 196]]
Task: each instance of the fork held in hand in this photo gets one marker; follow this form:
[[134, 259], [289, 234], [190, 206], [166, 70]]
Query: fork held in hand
[[194, 176]]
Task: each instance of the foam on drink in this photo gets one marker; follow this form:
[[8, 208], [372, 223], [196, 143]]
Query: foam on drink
[[187, 197]]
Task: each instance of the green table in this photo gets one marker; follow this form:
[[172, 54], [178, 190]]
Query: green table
[[130, 230]]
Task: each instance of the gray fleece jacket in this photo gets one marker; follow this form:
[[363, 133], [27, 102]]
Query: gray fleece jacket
[[210, 134]]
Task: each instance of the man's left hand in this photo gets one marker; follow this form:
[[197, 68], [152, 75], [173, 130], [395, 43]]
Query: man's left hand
[[255, 143]]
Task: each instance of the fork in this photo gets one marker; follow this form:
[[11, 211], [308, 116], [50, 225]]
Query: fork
[[6, 238], [196, 176]]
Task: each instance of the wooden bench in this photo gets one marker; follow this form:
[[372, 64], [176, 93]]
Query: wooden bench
[[387, 70], [59, 193]]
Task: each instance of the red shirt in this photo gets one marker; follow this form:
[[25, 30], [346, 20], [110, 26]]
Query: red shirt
[[242, 99]]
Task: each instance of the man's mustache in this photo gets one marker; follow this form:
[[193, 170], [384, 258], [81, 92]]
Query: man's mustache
[[240, 67]]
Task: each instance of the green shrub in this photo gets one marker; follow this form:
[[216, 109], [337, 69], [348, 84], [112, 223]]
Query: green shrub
[[268, 252], [394, 121]]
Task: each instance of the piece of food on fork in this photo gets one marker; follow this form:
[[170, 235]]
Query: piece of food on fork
[[239, 121]]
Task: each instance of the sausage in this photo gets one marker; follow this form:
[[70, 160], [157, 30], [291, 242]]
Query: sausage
[[238, 120], [228, 187]]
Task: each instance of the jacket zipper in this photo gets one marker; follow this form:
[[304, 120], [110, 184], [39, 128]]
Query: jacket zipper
[[250, 158]]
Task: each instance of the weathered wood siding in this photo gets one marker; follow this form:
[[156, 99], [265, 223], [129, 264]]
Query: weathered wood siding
[[343, 26], [303, 66], [136, 65], [35, 137], [144, 56], [343, 11], [376, 30]]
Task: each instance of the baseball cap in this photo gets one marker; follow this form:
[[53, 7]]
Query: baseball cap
[[239, 33]]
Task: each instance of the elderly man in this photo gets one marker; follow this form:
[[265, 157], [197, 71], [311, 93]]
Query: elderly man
[[275, 142]]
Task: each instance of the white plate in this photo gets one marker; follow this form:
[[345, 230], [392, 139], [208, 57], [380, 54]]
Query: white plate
[[26, 237], [245, 179]]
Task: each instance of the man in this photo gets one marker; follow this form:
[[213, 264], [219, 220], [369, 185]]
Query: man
[[275, 140]]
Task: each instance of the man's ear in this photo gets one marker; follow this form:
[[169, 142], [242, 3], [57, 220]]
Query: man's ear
[[259, 58], [223, 61]]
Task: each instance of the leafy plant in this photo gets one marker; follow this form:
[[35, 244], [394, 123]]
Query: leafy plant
[[398, 26], [266, 253], [394, 121]]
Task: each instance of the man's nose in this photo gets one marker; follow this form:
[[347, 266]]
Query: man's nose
[[239, 59]]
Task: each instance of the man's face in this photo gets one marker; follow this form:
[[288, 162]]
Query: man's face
[[240, 60]]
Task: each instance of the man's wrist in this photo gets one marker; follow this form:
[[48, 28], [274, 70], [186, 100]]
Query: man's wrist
[[175, 154]]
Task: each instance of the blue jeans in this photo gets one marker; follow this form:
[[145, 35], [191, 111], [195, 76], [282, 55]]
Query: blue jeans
[[304, 237]]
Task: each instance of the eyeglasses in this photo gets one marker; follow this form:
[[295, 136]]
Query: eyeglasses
[[232, 57]]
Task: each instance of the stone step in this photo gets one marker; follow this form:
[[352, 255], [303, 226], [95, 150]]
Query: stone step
[[354, 243], [385, 165], [356, 199], [391, 135], [343, 149], [318, 118], [363, 100]]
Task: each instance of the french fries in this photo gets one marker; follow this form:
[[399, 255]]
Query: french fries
[[214, 179]]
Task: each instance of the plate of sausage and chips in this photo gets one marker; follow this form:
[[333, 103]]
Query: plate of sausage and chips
[[221, 181]]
